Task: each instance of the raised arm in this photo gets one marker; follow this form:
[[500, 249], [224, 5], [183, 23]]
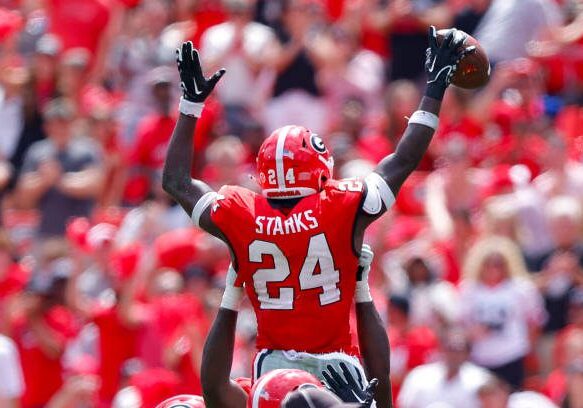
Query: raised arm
[[440, 65], [385, 182], [372, 335], [218, 389], [196, 88]]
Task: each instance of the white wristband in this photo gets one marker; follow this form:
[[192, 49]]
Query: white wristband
[[190, 108], [362, 292], [424, 118], [232, 298], [232, 295]]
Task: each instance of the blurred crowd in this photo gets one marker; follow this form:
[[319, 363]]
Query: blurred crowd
[[107, 293]]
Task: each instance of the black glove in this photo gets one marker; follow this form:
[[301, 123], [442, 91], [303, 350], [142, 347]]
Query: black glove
[[441, 62], [195, 87], [347, 389]]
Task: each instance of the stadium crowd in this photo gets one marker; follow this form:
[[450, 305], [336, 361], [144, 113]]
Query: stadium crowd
[[106, 291]]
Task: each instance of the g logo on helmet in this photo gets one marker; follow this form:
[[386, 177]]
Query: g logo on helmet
[[317, 143]]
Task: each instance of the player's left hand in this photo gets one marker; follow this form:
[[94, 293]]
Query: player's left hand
[[347, 388], [362, 292], [195, 87], [441, 61], [366, 256]]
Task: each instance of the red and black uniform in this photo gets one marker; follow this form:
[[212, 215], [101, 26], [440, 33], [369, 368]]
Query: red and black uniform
[[298, 264]]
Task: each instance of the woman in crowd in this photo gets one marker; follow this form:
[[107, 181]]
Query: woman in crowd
[[502, 309]]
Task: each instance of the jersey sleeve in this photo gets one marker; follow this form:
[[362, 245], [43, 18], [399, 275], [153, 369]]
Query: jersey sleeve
[[373, 193], [230, 208], [227, 205]]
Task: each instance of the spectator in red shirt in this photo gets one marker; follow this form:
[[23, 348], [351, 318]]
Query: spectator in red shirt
[[88, 24], [13, 278], [568, 352], [45, 66], [400, 98], [152, 136], [117, 344], [103, 129], [411, 345], [176, 318], [453, 188], [77, 390], [561, 174], [459, 122], [575, 319], [147, 387], [205, 14], [73, 77], [118, 326], [43, 329]]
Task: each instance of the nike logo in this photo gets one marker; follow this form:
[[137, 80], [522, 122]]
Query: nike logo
[[196, 91], [433, 64], [447, 68]]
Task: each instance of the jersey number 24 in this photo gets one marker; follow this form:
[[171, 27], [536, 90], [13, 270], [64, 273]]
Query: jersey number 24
[[318, 253]]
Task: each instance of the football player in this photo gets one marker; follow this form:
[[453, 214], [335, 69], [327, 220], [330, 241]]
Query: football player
[[291, 388], [183, 401], [221, 391], [295, 247]]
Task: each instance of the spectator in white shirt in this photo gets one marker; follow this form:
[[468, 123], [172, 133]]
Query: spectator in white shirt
[[451, 382], [502, 307], [509, 24], [11, 380], [496, 394], [240, 46], [433, 301]]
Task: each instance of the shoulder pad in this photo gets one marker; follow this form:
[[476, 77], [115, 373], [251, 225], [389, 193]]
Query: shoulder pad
[[377, 194]]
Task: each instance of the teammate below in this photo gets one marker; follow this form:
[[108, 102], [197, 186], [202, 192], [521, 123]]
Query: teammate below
[[295, 247], [291, 388]]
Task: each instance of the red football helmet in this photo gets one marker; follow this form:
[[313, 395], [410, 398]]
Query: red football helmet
[[270, 390], [293, 162], [183, 401]]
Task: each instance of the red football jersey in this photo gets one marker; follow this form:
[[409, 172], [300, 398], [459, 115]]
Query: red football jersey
[[298, 264]]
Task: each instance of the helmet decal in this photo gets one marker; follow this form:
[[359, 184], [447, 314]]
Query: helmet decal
[[317, 143]]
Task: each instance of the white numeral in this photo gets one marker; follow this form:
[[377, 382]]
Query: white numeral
[[318, 254], [279, 273], [271, 176], [289, 176], [350, 185]]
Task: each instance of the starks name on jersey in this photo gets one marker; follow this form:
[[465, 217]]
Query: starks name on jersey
[[302, 221]]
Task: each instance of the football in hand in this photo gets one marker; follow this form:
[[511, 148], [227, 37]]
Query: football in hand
[[474, 70]]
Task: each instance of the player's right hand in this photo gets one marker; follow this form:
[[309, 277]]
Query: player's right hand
[[195, 87]]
